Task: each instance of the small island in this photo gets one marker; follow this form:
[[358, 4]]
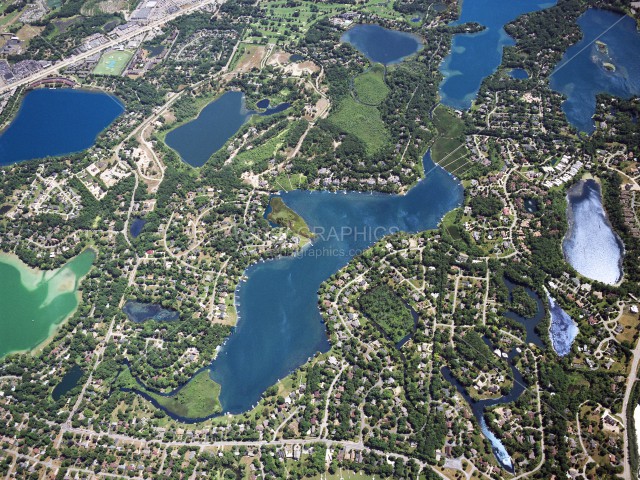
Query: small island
[[602, 47]]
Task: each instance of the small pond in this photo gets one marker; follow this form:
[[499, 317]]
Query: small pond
[[137, 224], [562, 330], [140, 312], [519, 74], [69, 381]]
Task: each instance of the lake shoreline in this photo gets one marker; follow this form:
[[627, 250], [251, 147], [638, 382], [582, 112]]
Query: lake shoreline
[[577, 194]]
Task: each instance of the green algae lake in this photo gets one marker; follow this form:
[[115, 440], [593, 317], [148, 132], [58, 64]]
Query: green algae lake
[[35, 302]]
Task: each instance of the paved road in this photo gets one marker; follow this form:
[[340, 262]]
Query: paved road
[[112, 43], [631, 380]]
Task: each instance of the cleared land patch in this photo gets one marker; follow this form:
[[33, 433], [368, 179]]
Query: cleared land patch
[[362, 121], [370, 87], [449, 150], [113, 63]]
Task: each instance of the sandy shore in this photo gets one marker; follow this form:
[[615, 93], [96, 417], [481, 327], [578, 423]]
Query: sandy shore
[[31, 277]]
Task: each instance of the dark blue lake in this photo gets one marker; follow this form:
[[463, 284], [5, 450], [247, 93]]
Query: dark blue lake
[[137, 224], [519, 74], [200, 138], [279, 325], [53, 122], [610, 65], [475, 56], [590, 245], [69, 381], [380, 44], [140, 312]]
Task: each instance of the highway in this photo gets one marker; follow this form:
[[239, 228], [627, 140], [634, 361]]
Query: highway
[[53, 69]]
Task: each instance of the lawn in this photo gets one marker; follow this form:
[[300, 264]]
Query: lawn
[[362, 121], [113, 62], [282, 215], [370, 87], [449, 150]]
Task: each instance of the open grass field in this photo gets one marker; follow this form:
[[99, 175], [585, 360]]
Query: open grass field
[[370, 87], [282, 215], [262, 153], [362, 121], [292, 181], [449, 150], [197, 399], [113, 62]]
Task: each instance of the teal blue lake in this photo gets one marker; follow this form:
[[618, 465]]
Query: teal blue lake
[[279, 325], [609, 65], [53, 122], [200, 138], [380, 44], [475, 56]]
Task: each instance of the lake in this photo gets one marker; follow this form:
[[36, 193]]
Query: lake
[[279, 324], [35, 302], [380, 44], [137, 224], [69, 381], [562, 330], [53, 122], [609, 65], [200, 138], [140, 311], [475, 56], [590, 245]]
